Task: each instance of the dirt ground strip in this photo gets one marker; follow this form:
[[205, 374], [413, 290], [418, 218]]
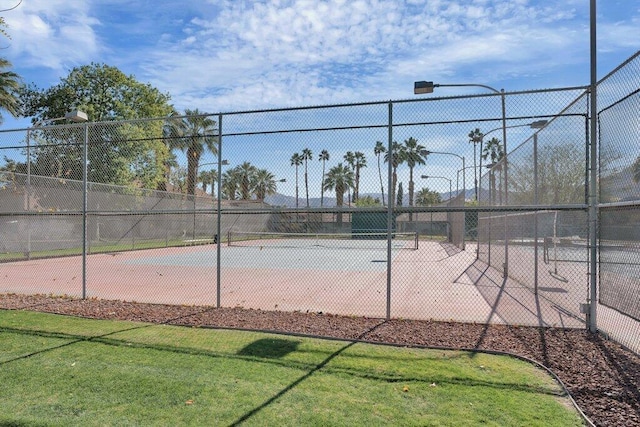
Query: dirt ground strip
[[602, 376]]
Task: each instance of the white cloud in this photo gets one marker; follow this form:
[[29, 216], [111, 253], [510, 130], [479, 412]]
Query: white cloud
[[51, 34], [223, 55]]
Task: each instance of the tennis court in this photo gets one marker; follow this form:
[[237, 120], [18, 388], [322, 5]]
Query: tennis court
[[347, 277]]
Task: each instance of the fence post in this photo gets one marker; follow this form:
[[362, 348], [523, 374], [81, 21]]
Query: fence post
[[390, 203], [218, 228], [593, 197], [85, 178]]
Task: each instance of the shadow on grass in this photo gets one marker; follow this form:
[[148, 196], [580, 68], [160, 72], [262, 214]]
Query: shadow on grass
[[269, 348], [273, 350]]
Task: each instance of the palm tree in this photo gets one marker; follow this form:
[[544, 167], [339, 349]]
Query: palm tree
[[296, 160], [170, 162], [208, 178], [264, 184], [475, 136], [414, 154], [426, 197], [396, 156], [306, 155], [9, 86], [323, 157], [378, 150], [339, 178], [192, 134], [493, 150], [230, 184], [350, 158], [359, 162], [246, 173]]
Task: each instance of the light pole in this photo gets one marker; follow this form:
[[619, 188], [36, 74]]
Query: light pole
[[463, 174], [75, 116], [464, 181], [427, 87], [440, 177]]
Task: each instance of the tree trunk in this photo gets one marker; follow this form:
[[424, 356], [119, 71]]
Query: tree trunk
[[193, 158]]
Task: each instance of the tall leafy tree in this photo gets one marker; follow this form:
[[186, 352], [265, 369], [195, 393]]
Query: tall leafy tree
[[9, 89], [339, 178], [178, 179], [103, 92], [560, 175], [126, 154], [323, 157], [475, 137], [400, 194], [296, 160], [306, 156], [378, 150], [414, 154], [193, 133]]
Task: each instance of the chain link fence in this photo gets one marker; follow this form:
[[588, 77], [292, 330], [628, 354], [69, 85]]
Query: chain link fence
[[406, 209], [619, 209]]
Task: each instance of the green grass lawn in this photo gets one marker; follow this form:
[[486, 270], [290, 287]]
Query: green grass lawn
[[58, 370]]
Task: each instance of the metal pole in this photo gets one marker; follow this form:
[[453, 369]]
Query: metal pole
[[194, 215], [464, 180], [28, 194], [85, 161], [535, 216], [506, 182], [389, 207], [219, 229], [464, 213], [593, 197]]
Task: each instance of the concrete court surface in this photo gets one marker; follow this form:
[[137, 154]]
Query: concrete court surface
[[436, 282]]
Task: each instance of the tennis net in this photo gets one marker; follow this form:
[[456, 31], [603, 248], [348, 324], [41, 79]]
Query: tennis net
[[366, 240]]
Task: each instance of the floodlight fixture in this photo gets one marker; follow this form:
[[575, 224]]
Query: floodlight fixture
[[423, 87], [77, 116]]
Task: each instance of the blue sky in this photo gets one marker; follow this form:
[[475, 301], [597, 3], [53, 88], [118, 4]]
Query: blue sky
[[230, 55]]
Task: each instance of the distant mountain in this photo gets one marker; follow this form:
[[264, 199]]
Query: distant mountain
[[329, 202], [290, 202]]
